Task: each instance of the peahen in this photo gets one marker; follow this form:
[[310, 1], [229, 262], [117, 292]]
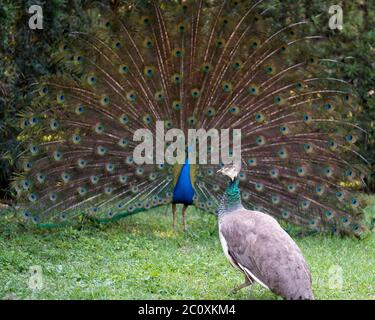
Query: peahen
[[192, 64], [258, 246]]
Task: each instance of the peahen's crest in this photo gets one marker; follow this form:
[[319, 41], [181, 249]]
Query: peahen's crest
[[192, 64]]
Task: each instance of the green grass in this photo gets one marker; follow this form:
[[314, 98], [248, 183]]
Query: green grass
[[142, 258]]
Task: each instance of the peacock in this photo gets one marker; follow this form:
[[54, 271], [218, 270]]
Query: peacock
[[255, 243], [191, 64]]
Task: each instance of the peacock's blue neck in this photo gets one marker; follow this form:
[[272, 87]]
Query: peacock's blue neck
[[183, 191]]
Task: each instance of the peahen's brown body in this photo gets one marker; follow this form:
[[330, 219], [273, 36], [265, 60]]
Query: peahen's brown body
[[255, 244], [192, 64]]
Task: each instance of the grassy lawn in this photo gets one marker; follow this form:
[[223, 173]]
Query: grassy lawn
[[142, 258]]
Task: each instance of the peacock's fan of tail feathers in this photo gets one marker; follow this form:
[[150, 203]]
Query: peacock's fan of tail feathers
[[192, 64]]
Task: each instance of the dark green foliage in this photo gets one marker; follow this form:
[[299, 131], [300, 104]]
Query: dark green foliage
[[24, 58]]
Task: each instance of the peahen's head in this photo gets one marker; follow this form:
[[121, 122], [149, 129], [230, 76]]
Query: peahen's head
[[231, 171]]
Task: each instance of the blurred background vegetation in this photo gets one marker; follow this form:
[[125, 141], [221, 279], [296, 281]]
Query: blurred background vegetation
[[24, 57]]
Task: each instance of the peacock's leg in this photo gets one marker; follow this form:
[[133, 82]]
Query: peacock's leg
[[247, 283], [184, 216], [174, 215]]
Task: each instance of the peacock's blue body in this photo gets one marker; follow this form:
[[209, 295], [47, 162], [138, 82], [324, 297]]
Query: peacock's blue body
[[183, 191]]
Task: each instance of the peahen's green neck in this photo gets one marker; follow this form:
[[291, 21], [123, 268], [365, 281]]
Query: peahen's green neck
[[232, 198]]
